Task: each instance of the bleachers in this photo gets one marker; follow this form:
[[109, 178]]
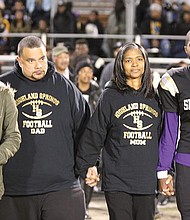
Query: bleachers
[[82, 8]]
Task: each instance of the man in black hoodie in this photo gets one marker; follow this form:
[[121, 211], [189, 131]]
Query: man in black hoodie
[[40, 183]]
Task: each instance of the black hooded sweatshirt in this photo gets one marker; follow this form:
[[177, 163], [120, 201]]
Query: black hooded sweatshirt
[[126, 126], [52, 117]]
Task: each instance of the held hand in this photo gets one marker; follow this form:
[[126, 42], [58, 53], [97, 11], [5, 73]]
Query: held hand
[[166, 186], [92, 176]]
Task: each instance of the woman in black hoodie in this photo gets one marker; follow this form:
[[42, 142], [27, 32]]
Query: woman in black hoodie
[[126, 127]]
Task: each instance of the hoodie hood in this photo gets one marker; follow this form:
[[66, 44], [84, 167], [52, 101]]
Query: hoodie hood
[[18, 71], [111, 85]]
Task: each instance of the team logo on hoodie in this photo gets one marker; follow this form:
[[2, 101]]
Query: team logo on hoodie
[[37, 107], [137, 119]]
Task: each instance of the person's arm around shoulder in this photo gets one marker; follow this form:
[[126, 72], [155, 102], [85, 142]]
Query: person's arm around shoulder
[[10, 138]]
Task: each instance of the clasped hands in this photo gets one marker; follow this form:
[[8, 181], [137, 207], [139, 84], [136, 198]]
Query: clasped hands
[[92, 176], [166, 186]]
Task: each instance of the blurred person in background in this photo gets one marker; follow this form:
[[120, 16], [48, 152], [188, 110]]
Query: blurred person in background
[[172, 10], [42, 27], [107, 72], [116, 24], [12, 6], [17, 6], [94, 27], [91, 92], [2, 5], [4, 29], [141, 13], [61, 59], [81, 52], [156, 24], [64, 21], [38, 9], [181, 28], [85, 83], [18, 25]]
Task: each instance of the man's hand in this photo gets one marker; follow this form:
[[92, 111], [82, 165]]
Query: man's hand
[[166, 186], [92, 176]]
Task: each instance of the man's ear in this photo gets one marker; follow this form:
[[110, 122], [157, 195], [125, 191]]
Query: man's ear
[[19, 61], [185, 48], [53, 58]]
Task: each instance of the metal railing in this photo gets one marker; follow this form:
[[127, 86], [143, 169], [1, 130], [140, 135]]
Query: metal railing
[[158, 61]]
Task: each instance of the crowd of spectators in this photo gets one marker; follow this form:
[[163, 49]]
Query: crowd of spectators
[[21, 16], [153, 17], [163, 17]]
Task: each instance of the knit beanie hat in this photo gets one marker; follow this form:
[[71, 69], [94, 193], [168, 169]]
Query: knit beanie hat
[[82, 64]]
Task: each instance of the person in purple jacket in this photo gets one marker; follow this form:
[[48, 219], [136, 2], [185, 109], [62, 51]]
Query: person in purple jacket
[[174, 91]]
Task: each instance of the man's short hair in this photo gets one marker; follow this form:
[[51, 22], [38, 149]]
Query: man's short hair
[[187, 39], [29, 42], [81, 41]]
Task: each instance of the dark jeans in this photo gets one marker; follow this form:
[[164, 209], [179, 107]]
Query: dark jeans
[[124, 206], [67, 204], [88, 191], [183, 191]]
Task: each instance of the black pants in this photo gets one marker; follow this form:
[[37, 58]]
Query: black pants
[[124, 206], [88, 191], [183, 190], [62, 205]]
